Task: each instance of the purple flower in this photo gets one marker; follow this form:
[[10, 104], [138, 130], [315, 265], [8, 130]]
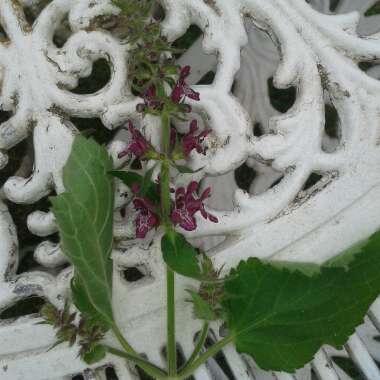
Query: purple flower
[[146, 218], [150, 98], [138, 145], [186, 206], [181, 88], [193, 141]]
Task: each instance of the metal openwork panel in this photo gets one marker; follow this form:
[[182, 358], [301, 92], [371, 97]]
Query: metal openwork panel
[[314, 189]]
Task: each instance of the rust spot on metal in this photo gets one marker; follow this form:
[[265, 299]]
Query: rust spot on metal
[[19, 12]]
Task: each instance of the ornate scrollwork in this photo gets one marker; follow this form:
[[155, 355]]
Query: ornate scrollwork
[[318, 53]]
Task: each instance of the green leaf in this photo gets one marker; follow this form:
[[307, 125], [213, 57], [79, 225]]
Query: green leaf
[[179, 255], [201, 308], [94, 355], [373, 10], [282, 314], [160, 90], [128, 178], [122, 5], [185, 170], [84, 214], [82, 302], [147, 186]]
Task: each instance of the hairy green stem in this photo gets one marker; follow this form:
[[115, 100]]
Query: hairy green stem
[[130, 354], [165, 169], [158, 374], [170, 277], [199, 345], [149, 368], [165, 195], [165, 129], [171, 341]]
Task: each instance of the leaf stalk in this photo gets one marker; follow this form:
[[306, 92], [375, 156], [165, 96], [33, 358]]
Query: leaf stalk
[[199, 345], [148, 367]]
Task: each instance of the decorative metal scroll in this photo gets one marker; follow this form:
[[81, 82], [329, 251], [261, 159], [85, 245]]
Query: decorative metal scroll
[[311, 182]]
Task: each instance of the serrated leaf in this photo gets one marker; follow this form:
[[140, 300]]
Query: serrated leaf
[[179, 255], [281, 315], [201, 309], [84, 214]]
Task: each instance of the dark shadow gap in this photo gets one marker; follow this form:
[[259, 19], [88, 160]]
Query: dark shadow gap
[[62, 34], [27, 306], [244, 176], [334, 5], [221, 360], [93, 127], [184, 42], [348, 366], [332, 122], [132, 274], [281, 99], [258, 130], [181, 359], [111, 373], [275, 183], [100, 76], [208, 78], [313, 179]]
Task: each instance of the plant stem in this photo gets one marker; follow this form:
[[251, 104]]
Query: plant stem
[[198, 347], [158, 374], [165, 169], [170, 277], [171, 341], [149, 368], [165, 195], [188, 370], [165, 128], [130, 354]]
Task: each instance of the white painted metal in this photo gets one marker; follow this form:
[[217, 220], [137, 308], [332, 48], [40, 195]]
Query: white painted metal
[[323, 367], [362, 358], [319, 54]]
